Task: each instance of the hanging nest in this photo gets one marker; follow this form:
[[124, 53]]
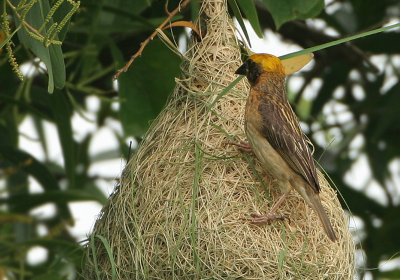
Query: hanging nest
[[177, 212]]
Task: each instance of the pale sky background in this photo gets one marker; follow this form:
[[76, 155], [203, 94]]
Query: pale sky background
[[85, 213]]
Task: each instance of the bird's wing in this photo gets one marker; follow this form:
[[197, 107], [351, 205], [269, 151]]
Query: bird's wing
[[282, 130]]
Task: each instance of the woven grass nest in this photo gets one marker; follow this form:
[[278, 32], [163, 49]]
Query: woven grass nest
[[177, 212]]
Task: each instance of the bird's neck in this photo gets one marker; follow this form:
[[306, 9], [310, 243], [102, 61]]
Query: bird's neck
[[273, 84]]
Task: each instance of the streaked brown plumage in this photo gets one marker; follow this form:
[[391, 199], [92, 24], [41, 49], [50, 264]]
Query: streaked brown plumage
[[275, 137]]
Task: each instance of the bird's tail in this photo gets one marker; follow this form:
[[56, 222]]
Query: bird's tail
[[319, 209]]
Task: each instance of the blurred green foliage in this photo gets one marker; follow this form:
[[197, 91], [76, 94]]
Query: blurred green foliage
[[101, 35]]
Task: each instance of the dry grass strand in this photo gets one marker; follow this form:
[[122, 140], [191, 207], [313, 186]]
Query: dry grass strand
[[176, 213]]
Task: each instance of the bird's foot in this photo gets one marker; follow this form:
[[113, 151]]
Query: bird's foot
[[258, 219], [243, 146]]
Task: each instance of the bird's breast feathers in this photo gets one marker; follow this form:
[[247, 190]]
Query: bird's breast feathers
[[267, 155], [274, 133]]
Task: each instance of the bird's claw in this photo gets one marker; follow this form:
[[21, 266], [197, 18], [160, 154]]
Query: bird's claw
[[258, 219], [242, 146]]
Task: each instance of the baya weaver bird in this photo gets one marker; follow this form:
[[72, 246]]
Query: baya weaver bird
[[275, 137]]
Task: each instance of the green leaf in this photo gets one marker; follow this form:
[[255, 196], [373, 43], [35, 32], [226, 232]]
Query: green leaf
[[144, 88], [338, 75], [67, 252], [115, 53], [62, 117], [249, 9], [59, 15], [238, 15], [194, 9], [25, 202], [8, 130], [368, 12], [389, 103], [50, 275], [391, 274], [30, 165], [52, 56], [283, 11]]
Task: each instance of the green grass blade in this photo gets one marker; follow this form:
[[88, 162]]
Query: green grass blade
[[236, 11], [225, 91], [193, 235], [340, 41], [95, 264], [109, 253]]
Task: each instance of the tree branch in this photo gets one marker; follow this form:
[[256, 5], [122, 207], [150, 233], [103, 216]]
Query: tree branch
[[151, 37]]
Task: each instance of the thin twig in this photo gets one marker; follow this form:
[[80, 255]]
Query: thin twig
[[34, 30], [151, 37], [166, 8]]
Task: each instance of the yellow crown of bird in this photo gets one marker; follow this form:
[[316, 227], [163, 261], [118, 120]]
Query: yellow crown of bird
[[270, 63]]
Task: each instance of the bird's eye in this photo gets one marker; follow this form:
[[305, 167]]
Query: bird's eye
[[250, 63], [252, 72]]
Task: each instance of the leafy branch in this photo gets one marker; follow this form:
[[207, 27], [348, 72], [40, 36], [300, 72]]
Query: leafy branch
[[151, 37], [49, 37], [34, 21]]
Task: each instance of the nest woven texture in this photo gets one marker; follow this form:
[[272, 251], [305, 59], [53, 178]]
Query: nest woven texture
[[177, 212]]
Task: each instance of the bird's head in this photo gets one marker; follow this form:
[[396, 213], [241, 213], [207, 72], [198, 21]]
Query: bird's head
[[258, 64]]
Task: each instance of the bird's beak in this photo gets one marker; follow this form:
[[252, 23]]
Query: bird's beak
[[242, 70]]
